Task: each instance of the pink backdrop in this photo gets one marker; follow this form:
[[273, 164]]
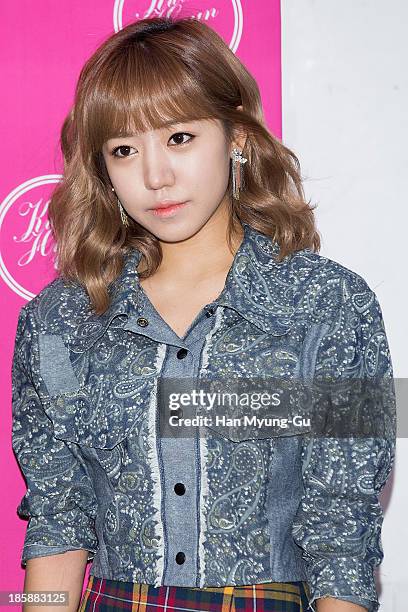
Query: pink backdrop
[[44, 45]]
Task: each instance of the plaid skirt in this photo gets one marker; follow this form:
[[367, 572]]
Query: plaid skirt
[[103, 595]]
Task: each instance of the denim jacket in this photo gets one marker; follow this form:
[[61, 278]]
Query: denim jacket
[[284, 508]]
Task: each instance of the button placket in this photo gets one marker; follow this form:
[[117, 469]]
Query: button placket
[[179, 482]]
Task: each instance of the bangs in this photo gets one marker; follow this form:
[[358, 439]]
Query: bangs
[[144, 90]]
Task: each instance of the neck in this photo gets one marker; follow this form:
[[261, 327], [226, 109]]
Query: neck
[[203, 255]]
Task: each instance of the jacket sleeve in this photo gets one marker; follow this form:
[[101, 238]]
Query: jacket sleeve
[[59, 501], [339, 520]]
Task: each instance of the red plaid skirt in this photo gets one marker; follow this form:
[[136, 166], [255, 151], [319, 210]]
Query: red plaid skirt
[[103, 595]]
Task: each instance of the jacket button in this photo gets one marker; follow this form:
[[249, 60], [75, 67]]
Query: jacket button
[[180, 558], [176, 412], [142, 322], [181, 353], [179, 488]]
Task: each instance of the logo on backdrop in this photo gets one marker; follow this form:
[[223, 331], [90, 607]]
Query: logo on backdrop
[[224, 16], [27, 247]]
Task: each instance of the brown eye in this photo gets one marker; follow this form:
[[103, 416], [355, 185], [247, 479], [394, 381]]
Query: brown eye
[[124, 148], [178, 134]]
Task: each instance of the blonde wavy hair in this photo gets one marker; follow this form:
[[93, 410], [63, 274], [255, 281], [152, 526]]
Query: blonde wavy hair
[[153, 71]]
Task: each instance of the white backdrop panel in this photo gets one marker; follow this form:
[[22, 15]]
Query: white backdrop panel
[[345, 97]]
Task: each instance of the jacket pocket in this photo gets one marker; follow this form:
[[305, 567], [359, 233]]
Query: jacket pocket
[[100, 407], [97, 415]]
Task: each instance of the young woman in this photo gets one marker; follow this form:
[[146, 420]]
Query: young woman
[[187, 253]]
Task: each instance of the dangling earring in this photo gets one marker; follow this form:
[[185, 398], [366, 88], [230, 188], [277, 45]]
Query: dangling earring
[[237, 171], [123, 215]]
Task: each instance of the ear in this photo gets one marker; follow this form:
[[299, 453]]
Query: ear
[[240, 136]]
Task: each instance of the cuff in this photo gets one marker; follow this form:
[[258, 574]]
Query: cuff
[[51, 535], [344, 578], [31, 551], [369, 604]]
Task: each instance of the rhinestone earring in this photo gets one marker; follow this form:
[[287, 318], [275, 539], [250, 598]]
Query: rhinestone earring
[[238, 160], [123, 214]]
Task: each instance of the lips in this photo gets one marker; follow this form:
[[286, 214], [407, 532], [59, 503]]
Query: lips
[[169, 209], [167, 204]]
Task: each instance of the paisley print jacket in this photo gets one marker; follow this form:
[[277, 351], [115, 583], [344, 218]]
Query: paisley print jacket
[[277, 509]]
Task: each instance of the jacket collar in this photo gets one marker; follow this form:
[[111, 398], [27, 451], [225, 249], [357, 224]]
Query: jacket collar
[[257, 287]]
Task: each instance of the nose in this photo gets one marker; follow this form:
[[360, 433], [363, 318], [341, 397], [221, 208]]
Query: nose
[[157, 168]]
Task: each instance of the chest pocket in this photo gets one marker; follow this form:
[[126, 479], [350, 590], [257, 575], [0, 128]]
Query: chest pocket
[[103, 410]]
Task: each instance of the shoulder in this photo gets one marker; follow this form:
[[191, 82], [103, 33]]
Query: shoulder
[[324, 287], [353, 338], [58, 308]]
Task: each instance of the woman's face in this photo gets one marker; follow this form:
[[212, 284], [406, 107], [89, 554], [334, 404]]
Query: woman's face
[[186, 163]]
